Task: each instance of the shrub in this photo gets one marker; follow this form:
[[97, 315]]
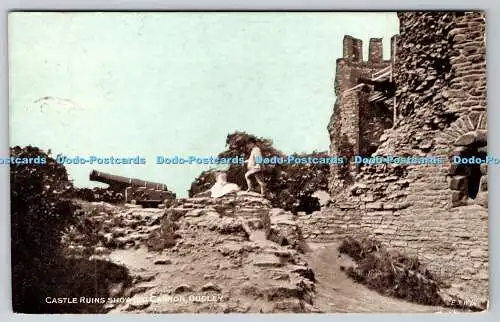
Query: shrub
[[38, 218], [40, 214], [203, 182], [391, 273], [289, 186]]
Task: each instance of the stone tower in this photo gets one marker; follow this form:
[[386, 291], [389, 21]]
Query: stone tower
[[361, 113]]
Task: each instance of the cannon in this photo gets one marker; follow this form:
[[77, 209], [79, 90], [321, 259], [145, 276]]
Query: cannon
[[141, 192]]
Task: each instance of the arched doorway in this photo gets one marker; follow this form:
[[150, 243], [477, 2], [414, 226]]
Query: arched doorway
[[467, 177]]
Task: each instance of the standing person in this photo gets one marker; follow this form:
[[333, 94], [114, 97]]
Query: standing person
[[253, 167]]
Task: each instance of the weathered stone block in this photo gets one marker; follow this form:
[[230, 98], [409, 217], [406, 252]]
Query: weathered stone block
[[458, 183], [458, 198], [401, 205], [483, 275], [368, 198], [483, 184], [375, 205], [466, 139], [478, 252], [397, 243], [482, 199], [384, 231], [458, 151], [347, 206]]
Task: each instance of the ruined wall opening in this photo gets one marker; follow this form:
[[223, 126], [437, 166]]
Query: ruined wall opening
[[473, 181], [470, 172], [375, 118], [467, 177], [356, 54]]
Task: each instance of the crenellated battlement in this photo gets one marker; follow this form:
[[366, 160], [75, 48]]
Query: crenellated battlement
[[353, 50]]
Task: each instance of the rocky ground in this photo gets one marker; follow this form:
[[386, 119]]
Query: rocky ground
[[233, 254]]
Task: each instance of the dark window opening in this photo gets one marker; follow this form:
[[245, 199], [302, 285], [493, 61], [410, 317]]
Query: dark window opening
[[355, 53], [307, 204], [472, 171], [370, 150], [473, 182]]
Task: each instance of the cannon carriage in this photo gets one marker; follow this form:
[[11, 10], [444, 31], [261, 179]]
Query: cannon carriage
[[141, 192]]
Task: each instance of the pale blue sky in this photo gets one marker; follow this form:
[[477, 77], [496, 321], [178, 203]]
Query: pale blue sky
[[153, 84]]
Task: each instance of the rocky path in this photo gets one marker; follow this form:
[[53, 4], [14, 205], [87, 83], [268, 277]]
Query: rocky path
[[234, 254], [204, 255], [335, 292]]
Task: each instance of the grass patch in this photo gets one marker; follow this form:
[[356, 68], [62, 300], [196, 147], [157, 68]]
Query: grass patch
[[391, 273]]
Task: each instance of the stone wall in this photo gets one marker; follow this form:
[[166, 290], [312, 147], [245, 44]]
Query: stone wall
[[375, 118], [354, 126], [427, 210]]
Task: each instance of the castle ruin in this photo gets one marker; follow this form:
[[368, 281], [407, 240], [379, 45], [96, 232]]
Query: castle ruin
[[364, 108], [432, 104]]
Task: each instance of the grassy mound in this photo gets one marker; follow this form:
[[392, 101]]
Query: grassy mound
[[391, 273]]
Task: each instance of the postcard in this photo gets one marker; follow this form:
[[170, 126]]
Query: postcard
[[248, 162]]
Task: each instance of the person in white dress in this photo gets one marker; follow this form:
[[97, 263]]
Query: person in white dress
[[254, 169], [222, 187]]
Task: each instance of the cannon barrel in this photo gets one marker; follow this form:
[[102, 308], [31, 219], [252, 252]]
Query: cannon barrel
[[114, 180]]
